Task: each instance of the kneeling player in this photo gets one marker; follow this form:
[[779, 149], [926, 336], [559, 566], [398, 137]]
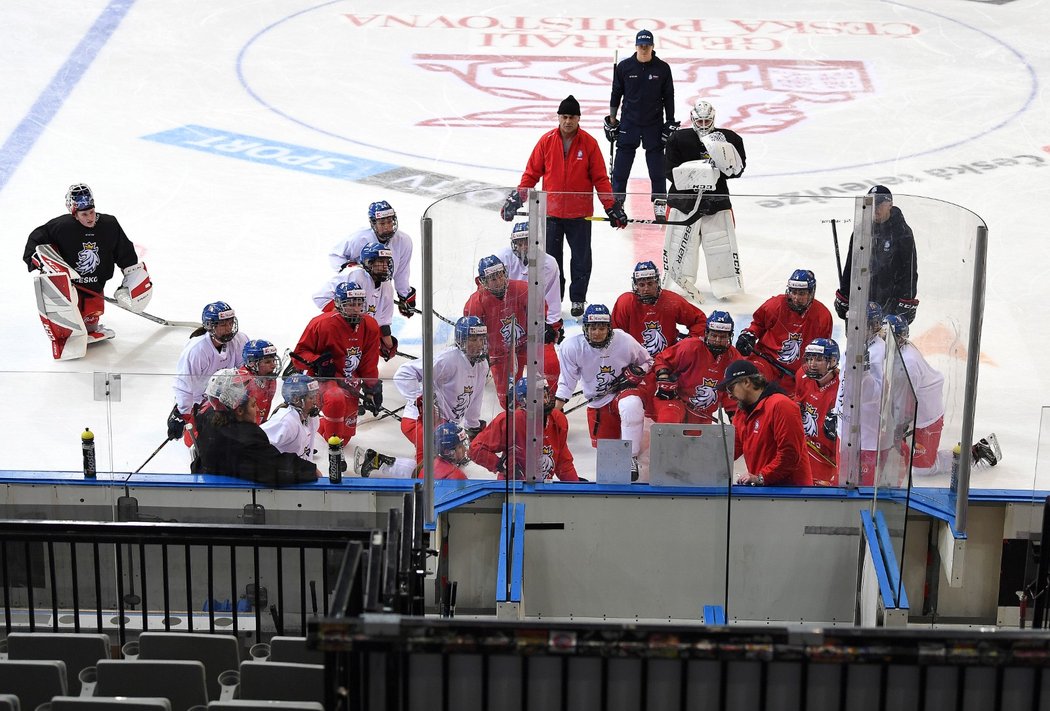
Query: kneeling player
[[342, 346], [688, 372], [611, 367], [816, 390], [294, 423], [555, 458], [76, 254]]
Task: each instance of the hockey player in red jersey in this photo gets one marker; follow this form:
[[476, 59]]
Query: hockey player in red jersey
[[260, 362], [502, 306], [450, 444], [488, 448], [76, 254], [688, 372], [342, 346], [652, 315], [816, 390], [372, 277], [782, 326]]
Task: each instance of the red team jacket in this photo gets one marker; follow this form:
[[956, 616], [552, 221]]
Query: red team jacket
[[444, 469], [355, 350], [771, 439], [263, 390], [815, 402], [555, 457], [783, 335], [496, 315], [655, 326], [698, 373], [581, 171]]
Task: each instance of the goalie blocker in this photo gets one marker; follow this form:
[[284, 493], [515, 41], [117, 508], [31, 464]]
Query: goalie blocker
[[62, 310]]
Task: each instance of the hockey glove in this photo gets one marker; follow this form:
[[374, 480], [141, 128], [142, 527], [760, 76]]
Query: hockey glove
[[324, 367], [372, 397], [841, 305], [746, 343], [551, 332], [906, 309], [388, 352], [176, 423], [510, 206], [831, 426], [617, 216], [631, 377], [666, 386], [473, 432], [669, 128], [612, 129], [407, 304]]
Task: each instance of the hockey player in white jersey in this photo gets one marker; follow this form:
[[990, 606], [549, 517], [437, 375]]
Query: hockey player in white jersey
[[610, 365], [698, 159], [373, 275], [382, 220], [294, 424], [459, 383], [216, 345]]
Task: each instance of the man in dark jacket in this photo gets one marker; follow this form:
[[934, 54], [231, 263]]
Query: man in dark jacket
[[894, 263], [230, 443], [644, 82]]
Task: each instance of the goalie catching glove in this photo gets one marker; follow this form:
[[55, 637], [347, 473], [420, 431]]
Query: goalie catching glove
[[136, 290]]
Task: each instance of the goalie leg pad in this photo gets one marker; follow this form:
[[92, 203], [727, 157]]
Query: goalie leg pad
[[57, 302], [721, 254], [135, 292], [682, 255]]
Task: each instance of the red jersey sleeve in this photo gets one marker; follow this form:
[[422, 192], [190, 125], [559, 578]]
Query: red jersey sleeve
[[486, 448], [369, 367], [564, 466]]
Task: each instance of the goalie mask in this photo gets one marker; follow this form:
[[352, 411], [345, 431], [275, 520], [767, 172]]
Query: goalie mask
[[492, 275], [350, 301], [703, 118], [472, 338], [383, 219], [801, 287], [79, 197], [821, 357], [220, 321], [719, 332], [645, 282], [597, 325]]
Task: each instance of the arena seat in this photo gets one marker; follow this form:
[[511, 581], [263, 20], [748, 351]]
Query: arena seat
[[78, 650]]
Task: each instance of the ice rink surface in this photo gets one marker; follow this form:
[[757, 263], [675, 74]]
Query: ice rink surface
[[236, 142]]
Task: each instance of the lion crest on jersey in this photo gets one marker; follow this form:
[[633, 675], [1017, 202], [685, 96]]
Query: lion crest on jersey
[[353, 359], [370, 309], [87, 258], [509, 329], [605, 378], [791, 348], [653, 337], [547, 462], [703, 399], [462, 400], [809, 419]]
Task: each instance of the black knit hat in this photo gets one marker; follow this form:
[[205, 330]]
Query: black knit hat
[[569, 106]]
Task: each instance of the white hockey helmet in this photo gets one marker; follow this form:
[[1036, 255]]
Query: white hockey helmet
[[227, 389], [703, 117]]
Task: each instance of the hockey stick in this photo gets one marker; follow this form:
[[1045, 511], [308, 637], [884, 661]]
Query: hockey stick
[[149, 317], [150, 457], [784, 371], [612, 144], [835, 236], [409, 356], [449, 322], [687, 220]]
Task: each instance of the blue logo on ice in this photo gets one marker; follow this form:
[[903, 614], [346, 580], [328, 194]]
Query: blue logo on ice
[[276, 153]]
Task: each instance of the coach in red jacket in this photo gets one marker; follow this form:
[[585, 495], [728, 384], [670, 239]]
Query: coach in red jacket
[[768, 428], [569, 161]]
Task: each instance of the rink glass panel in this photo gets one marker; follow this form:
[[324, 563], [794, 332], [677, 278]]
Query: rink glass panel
[[893, 468]]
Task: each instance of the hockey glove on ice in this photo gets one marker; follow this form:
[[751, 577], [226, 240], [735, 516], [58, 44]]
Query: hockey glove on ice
[[666, 387], [906, 309], [176, 423], [746, 343], [407, 304], [551, 332], [390, 352], [510, 207], [831, 426], [372, 398], [669, 128], [473, 432], [617, 216], [612, 129]]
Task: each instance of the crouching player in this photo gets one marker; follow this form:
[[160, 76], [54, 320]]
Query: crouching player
[[450, 444], [688, 372], [489, 448], [611, 366]]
